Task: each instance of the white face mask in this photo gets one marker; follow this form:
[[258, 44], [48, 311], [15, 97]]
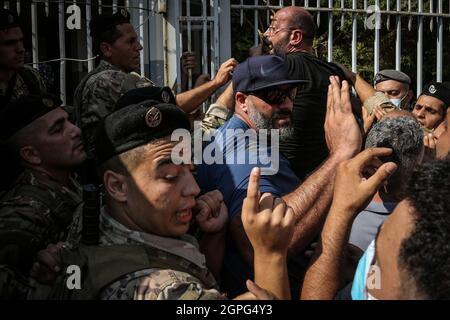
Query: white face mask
[[398, 102]]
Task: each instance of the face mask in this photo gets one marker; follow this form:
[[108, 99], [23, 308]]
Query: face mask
[[398, 102], [359, 291]]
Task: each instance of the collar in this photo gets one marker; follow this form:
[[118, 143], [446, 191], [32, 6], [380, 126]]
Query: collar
[[113, 232]]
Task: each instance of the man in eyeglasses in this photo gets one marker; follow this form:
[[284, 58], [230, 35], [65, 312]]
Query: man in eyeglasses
[[264, 101], [291, 35]]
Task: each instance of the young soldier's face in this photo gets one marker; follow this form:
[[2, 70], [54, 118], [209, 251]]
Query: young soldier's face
[[161, 195], [12, 52], [429, 111]]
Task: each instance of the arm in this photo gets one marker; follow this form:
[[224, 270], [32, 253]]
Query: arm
[[311, 200], [218, 112], [190, 100], [352, 193], [269, 223]]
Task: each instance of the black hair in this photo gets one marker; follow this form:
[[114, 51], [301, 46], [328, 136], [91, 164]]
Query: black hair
[[425, 254]]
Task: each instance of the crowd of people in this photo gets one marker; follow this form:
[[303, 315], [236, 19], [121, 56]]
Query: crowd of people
[[310, 190]]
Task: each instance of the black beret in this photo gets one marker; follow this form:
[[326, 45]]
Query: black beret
[[438, 90], [23, 111], [107, 22], [8, 19], [162, 95], [136, 125]]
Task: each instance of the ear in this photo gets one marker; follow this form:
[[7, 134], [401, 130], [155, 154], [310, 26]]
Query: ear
[[30, 155], [241, 101], [105, 48], [296, 37], [116, 185]]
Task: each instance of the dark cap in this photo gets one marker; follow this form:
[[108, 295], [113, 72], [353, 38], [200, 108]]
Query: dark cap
[[107, 22], [8, 19], [136, 125], [261, 72], [161, 95], [390, 74], [438, 90], [23, 111]]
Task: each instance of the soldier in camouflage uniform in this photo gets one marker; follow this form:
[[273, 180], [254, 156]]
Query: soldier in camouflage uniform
[[15, 78], [116, 42], [145, 251], [39, 207]]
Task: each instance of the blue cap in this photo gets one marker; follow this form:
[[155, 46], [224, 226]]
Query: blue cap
[[261, 72]]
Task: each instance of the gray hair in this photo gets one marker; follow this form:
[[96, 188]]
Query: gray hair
[[404, 136]]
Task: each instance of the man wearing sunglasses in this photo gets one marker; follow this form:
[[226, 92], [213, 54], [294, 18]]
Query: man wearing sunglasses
[[264, 101]]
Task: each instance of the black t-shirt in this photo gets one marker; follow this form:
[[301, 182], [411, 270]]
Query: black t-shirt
[[306, 149]]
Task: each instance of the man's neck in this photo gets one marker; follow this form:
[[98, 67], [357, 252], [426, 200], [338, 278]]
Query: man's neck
[[119, 212], [301, 49], [382, 196], [60, 176], [244, 118]]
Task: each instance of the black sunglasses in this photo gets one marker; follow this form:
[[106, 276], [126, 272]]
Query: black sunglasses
[[275, 96]]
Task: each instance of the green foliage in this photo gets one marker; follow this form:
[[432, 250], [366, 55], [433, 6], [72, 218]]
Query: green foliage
[[243, 39]]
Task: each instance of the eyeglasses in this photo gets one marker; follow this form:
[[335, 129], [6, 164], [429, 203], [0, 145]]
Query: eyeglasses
[[275, 96], [271, 30]]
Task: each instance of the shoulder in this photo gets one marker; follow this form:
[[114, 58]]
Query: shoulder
[[32, 71], [169, 284]]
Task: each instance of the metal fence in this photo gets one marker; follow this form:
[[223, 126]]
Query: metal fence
[[166, 28], [391, 15]]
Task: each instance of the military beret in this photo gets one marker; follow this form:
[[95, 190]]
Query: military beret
[[8, 19], [136, 125], [389, 74], [106, 22], [438, 90], [162, 95], [21, 112]]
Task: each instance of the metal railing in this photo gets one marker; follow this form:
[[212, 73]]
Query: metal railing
[[166, 28], [393, 14]]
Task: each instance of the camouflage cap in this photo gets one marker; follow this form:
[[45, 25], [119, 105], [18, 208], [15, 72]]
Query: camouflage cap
[[162, 95], [107, 22], [438, 90], [8, 19], [23, 111], [135, 125]]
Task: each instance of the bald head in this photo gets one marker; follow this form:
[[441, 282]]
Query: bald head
[[298, 17]]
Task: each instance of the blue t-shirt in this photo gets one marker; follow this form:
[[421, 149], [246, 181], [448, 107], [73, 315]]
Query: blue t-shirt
[[231, 178]]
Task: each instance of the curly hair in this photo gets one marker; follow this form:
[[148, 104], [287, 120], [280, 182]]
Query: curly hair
[[425, 254]]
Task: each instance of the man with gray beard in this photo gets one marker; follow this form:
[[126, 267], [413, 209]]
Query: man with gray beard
[[263, 102]]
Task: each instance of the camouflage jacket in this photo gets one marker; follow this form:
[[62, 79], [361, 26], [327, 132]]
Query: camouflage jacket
[[35, 212], [155, 284], [20, 87], [215, 117], [97, 94]]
